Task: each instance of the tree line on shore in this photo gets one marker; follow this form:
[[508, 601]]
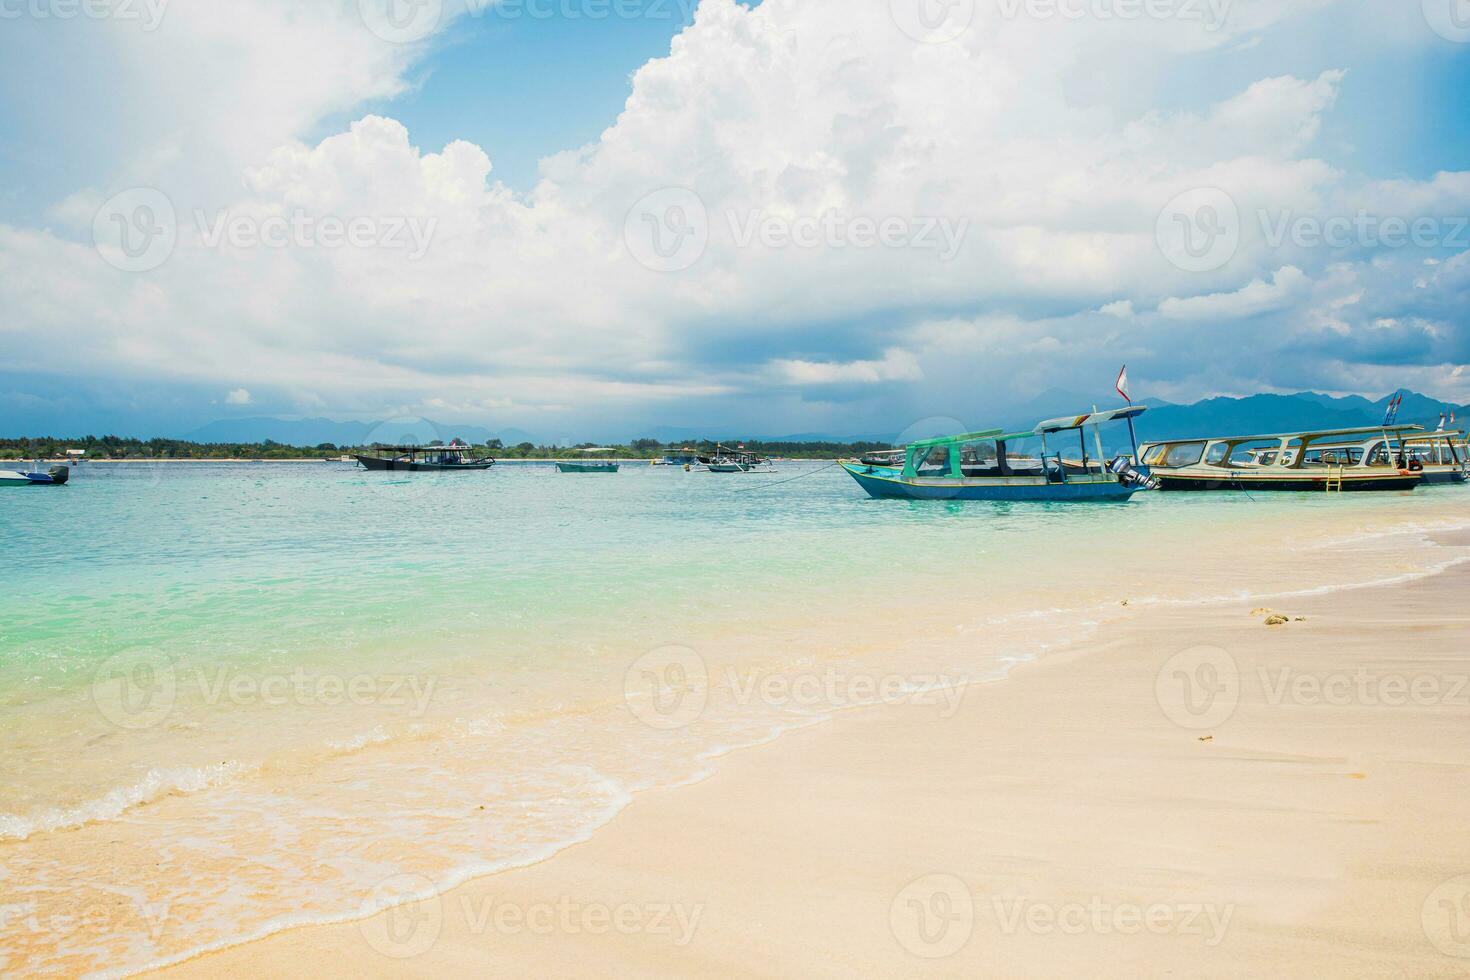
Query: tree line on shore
[[118, 447]]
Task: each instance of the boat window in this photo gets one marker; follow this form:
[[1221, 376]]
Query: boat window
[[979, 459], [1023, 455], [1184, 454], [933, 463], [1379, 455], [1217, 453]]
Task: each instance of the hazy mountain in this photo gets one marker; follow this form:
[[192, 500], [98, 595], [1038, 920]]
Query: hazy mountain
[[1164, 420], [1284, 413]]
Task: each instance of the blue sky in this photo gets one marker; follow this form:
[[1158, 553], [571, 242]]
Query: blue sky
[[528, 150]]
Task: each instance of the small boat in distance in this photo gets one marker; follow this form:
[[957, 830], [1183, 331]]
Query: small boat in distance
[[419, 459], [739, 460], [1328, 460], [588, 465], [999, 465]]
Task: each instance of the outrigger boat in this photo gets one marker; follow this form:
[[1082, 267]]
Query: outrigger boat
[[737, 461], [419, 459], [1324, 460], [999, 465]]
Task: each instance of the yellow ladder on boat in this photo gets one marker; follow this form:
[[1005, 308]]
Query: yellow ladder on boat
[[1334, 480]]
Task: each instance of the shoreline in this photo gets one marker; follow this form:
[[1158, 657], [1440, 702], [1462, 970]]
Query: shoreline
[[659, 819]]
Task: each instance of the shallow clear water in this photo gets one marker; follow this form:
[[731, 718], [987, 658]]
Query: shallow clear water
[[246, 694]]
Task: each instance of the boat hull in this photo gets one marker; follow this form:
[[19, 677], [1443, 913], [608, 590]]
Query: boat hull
[[1444, 476], [23, 478], [587, 467], [1290, 484], [889, 484], [409, 466]]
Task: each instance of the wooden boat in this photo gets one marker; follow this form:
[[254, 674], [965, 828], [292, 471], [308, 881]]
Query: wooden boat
[[999, 465], [54, 476], [1440, 456], [728, 460], [1325, 461], [590, 466], [420, 459]]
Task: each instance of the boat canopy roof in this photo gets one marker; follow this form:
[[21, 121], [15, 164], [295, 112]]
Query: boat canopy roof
[[1309, 434], [1436, 436], [1042, 428], [424, 449]]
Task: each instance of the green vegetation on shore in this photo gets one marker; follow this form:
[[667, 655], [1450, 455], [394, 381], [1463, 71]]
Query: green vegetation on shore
[[115, 447]]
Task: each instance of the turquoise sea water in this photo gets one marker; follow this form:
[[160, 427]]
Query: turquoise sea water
[[283, 683]]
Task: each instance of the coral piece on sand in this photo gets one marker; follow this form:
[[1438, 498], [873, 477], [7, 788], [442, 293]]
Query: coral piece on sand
[[1276, 620], [1261, 611]]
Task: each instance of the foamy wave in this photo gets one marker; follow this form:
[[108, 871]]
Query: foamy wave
[[157, 784]]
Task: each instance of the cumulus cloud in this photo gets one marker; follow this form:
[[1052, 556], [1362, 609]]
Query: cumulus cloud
[[462, 295]]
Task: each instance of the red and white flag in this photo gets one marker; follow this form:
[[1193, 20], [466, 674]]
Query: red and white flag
[[1122, 385]]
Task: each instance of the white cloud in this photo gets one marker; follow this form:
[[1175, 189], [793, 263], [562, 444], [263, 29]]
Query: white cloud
[[896, 365], [237, 396], [532, 305], [1256, 296]]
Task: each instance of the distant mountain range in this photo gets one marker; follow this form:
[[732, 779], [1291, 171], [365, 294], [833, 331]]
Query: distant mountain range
[[1165, 420]]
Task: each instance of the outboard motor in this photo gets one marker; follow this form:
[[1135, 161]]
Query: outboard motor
[[59, 474], [1130, 475]]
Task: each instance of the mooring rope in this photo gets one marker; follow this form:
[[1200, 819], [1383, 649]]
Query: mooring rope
[[767, 486]]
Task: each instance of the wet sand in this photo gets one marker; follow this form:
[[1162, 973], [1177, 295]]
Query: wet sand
[[1196, 793]]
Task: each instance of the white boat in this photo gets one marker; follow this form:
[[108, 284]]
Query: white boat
[[53, 477]]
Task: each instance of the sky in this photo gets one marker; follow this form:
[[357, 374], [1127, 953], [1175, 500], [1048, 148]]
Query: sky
[[584, 219]]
